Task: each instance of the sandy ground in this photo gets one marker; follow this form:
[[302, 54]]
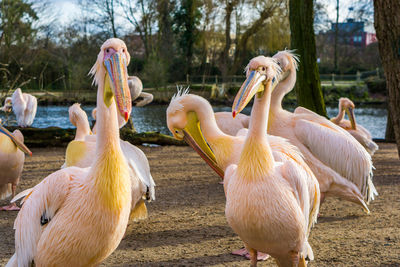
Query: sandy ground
[[187, 226]]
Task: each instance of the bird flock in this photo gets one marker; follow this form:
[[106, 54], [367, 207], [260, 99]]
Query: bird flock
[[276, 166]]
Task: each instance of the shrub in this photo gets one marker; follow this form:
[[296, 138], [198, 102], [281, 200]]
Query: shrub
[[376, 85]]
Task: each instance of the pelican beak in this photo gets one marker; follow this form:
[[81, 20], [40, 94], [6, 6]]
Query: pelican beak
[[249, 88], [253, 84], [352, 118], [117, 84], [193, 136], [19, 144]]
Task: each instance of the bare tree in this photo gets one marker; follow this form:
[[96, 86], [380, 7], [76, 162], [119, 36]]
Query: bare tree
[[104, 13], [141, 14]]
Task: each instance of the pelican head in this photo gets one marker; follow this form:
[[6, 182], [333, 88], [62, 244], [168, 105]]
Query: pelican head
[[347, 105], [184, 124], [287, 61], [262, 73], [111, 69]]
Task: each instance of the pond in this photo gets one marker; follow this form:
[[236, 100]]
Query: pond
[[153, 117]]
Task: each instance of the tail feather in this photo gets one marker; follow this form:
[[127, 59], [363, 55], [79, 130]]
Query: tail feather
[[5, 190], [139, 212], [372, 147], [13, 261]]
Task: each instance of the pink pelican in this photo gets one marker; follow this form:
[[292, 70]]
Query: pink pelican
[[12, 159], [191, 117], [24, 107], [78, 216], [362, 135], [270, 204], [342, 166]]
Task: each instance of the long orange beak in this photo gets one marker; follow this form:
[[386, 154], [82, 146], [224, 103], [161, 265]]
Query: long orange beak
[[246, 92], [118, 79]]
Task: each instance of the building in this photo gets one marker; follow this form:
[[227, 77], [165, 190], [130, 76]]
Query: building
[[352, 32]]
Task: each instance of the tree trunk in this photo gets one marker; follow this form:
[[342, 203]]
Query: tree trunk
[[389, 134], [387, 26], [308, 87]]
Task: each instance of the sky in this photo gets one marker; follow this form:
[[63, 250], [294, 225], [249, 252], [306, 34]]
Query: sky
[[68, 9]]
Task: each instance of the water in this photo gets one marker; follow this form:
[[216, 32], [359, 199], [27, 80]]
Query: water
[[153, 118]]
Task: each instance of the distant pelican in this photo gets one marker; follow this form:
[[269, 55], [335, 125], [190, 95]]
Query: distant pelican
[[7, 105], [361, 134], [12, 159], [136, 87], [24, 107]]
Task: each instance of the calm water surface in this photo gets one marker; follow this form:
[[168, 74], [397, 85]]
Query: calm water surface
[[153, 118]]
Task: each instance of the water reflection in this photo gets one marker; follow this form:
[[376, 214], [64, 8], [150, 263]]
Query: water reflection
[[153, 118]]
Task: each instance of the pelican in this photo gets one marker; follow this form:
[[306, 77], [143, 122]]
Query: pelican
[[7, 105], [229, 125], [362, 135], [136, 87], [24, 107], [12, 159], [78, 216], [191, 118], [342, 166], [82, 150], [79, 119], [270, 204]]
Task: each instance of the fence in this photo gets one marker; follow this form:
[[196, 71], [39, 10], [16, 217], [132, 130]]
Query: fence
[[326, 79]]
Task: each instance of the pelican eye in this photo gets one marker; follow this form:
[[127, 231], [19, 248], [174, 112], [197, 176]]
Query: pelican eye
[[263, 68], [176, 131], [108, 50]]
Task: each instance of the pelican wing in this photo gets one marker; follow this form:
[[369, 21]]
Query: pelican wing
[[30, 111], [41, 205], [337, 149], [19, 106], [301, 110], [80, 154], [137, 161], [306, 190]]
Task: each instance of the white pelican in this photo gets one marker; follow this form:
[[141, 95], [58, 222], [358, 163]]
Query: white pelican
[[24, 107], [7, 105], [270, 204], [342, 166], [78, 216], [362, 135], [136, 87], [12, 159], [191, 117]]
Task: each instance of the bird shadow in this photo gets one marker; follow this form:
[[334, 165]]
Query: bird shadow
[[324, 219]]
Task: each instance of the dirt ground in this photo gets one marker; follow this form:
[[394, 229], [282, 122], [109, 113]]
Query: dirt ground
[[187, 226]]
